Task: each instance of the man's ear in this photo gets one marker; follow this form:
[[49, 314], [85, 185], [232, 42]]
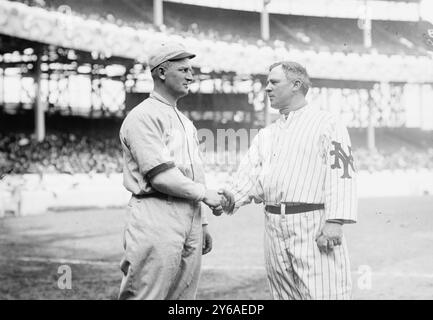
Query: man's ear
[[297, 84], [161, 73]]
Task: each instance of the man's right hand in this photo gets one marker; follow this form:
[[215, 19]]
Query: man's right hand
[[228, 202], [212, 199]]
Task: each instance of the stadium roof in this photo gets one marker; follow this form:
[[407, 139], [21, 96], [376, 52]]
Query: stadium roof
[[380, 9]]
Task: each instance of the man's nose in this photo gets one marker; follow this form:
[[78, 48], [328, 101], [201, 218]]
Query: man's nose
[[189, 76], [268, 89]]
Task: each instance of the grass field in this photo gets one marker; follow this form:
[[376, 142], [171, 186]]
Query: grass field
[[394, 238]]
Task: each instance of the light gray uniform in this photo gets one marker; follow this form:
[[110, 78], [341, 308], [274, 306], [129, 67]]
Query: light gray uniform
[[163, 234]]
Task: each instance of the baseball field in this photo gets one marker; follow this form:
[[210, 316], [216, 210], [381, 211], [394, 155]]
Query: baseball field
[[391, 253]]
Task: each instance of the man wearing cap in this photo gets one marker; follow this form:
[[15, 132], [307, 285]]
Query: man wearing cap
[[165, 233]]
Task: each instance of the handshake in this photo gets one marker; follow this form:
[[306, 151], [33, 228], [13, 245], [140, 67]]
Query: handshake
[[219, 201]]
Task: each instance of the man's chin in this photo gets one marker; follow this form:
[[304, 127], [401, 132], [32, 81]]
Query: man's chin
[[276, 107], [183, 93]]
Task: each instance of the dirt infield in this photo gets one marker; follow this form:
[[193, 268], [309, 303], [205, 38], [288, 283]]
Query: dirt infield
[[393, 240]]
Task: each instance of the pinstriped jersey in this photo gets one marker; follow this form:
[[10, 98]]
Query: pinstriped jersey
[[304, 158]]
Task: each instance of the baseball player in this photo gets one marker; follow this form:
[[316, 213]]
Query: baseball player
[[301, 168], [165, 233]]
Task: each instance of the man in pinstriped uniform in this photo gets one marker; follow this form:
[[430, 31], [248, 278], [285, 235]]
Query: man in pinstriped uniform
[[301, 168]]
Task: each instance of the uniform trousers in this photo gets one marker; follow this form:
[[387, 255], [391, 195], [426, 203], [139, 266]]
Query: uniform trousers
[[162, 249], [295, 267]]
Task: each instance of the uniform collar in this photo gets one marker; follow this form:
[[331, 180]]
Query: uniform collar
[[294, 114], [155, 95]]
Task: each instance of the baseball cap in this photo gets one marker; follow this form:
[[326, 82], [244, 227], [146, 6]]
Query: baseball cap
[[167, 51]]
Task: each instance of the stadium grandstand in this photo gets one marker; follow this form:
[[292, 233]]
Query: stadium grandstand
[[70, 70], [300, 32]]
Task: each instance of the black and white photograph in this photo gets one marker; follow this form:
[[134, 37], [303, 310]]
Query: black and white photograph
[[216, 150]]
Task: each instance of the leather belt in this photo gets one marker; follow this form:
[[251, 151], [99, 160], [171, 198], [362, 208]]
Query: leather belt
[[297, 208]]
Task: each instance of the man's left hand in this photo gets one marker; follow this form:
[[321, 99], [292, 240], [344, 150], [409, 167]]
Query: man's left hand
[[207, 241], [330, 236]]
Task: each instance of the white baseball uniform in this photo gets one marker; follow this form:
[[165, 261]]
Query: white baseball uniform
[[163, 234], [305, 158]]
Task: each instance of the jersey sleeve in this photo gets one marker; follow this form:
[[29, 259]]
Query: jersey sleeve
[[143, 136], [340, 195], [199, 160], [245, 184]]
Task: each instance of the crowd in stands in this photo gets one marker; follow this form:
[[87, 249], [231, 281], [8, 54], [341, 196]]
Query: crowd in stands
[[59, 153], [73, 153], [243, 27], [401, 159], [329, 47]]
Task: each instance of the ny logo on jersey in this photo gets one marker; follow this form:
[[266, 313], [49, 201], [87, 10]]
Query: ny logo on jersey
[[347, 160]]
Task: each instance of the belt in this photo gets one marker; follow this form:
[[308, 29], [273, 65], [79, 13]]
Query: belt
[[298, 208], [155, 194]]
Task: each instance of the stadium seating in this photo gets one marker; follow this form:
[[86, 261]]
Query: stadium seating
[[74, 153], [330, 47], [301, 32], [319, 42], [59, 153]]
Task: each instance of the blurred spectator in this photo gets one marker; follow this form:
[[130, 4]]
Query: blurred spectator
[[400, 159], [71, 154], [62, 153], [303, 32]]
